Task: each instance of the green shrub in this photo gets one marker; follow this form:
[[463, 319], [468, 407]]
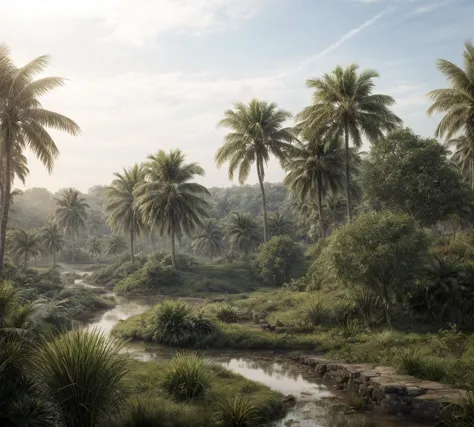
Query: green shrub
[[316, 311], [177, 325], [461, 413], [416, 362], [226, 313], [350, 328], [237, 412], [279, 260], [187, 377], [368, 306]]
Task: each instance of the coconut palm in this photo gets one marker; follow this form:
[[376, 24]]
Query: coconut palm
[[115, 245], [242, 233], [463, 156], [94, 247], [209, 240], [279, 225], [316, 168], [70, 214], [168, 200], [257, 132], [24, 244], [23, 122], [121, 205], [343, 102], [457, 103], [84, 373], [52, 240]]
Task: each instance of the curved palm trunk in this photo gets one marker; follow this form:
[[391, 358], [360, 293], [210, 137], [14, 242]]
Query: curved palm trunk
[[348, 174], [472, 170], [322, 233], [6, 197], [131, 247], [173, 250], [264, 203]]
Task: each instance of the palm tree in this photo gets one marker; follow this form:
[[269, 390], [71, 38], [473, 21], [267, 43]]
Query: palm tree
[[279, 225], [316, 168], [463, 156], [94, 247], [121, 205], [23, 122], [115, 246], [457, 102], [209, 240], [242, 233], [168, 200], [343, 102], [84, 373], [70, 214], [25, 244], [52, 240], [257, 132]]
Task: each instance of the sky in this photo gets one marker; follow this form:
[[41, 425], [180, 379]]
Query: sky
[[145, 75]]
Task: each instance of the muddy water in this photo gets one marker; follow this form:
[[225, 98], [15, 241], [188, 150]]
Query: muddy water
[[317, 405]]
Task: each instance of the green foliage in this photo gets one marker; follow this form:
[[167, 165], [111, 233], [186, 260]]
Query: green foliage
[[186, 377], [461, 413], [279, 260], [380, 251], [112, 274], [94, 247], [237, 412], [175, 323], [413, 175], [83, 372], [280, 225], [24, 244], [226, 313], [115, 245], [368, 305], [242, 233], [316, 311], [209, 241], [52, 240]]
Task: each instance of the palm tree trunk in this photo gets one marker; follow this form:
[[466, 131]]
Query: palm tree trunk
[[25, 261], [472, 170], [6, 197], [131, 247], [264, 203], [348, 174], [73, 247], [173, 250], [54, 259], [322, 234]]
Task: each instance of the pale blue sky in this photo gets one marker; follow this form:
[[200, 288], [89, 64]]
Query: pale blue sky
[[151, 74]]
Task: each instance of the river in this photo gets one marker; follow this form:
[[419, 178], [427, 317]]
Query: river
[[317, 404]]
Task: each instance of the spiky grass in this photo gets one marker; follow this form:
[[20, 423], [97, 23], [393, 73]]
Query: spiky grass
[[84, 373], [237, 412], [226, 313], [316, 311], [187, 377]]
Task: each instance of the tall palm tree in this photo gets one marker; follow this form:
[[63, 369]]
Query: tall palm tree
[[279, 225], [25, 244], [316, 168], [52, 240], [344, 103], [457, 102], [257, 132], [121, 205], [94, 247], [23, 122], [115, 246], [209, 240], [70, 214], [242, 233], [168, 200]]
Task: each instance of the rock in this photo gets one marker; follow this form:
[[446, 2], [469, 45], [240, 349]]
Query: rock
[[414, 391], [289, 401]]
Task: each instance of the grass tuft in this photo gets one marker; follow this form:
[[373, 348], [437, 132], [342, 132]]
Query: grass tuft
[[237, 412]]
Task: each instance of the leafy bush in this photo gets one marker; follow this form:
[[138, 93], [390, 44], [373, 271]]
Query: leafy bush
[[316, 311], [368, 306], [187, 377], [297, 285], [176, 324], [416, 362], [457, 251], [383, 252], [237, 412]]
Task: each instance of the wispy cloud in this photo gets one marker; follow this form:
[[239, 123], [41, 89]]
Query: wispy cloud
[[431, 7]]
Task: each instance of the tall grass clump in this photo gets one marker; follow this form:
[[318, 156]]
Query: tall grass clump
[[226, 313], [461, 413], [416, 362], [187, 377], [368, 306], [83, 372], [316, 311], [177, 325], [237, 412]]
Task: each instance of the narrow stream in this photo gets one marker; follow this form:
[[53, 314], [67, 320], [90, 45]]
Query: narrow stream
[[316, 404]]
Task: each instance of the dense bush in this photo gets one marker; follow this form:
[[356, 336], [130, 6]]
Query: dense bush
[[114, 273], [383, 252], [279, 260], [187, 377], [177, 324], [225, 312]]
